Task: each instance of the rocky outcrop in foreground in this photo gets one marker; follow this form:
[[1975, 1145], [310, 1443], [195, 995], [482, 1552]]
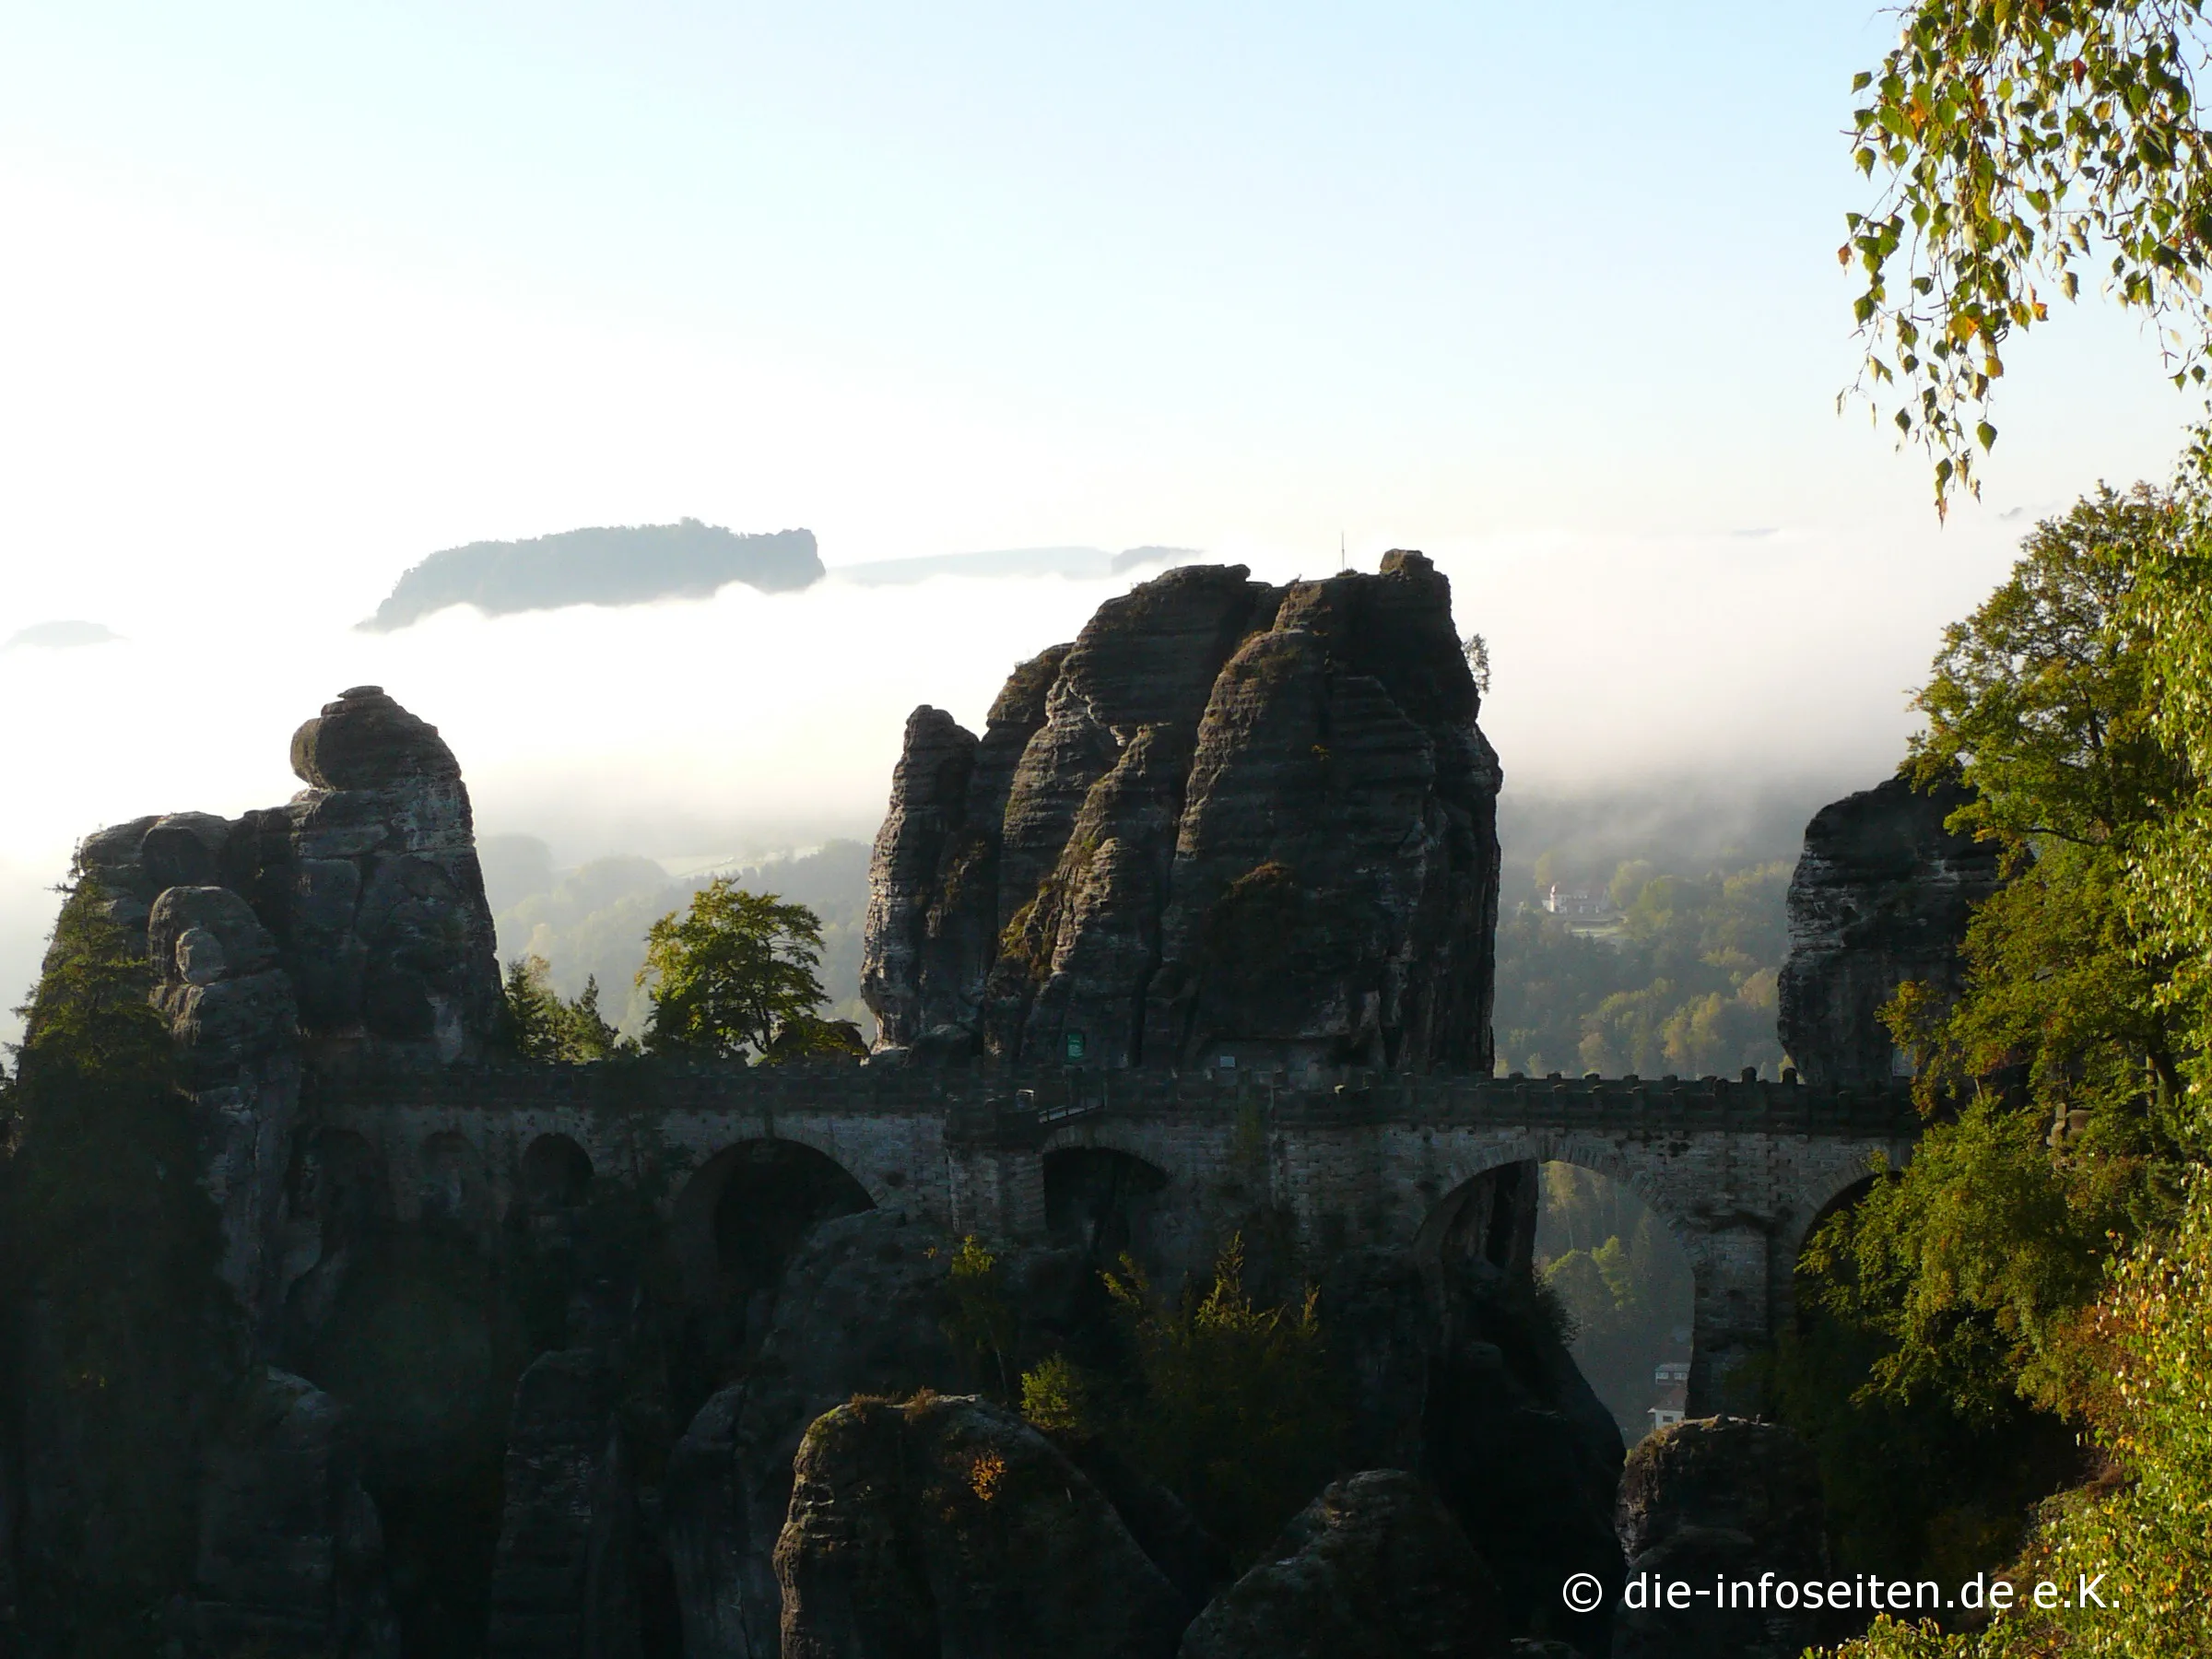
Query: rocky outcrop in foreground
[[1448, 1370], [563, 1581], [948, 1527], [1229, 819], [1729, 1500], [864, 1308], [1880, 896], [1375, 1567], [1453, 1373]]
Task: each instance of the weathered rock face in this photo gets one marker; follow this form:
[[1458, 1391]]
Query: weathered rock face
[[291, 1553], [1451, 1370], [351, 920], [1375, 1567], [1230, 818], [236, 1031], [564, 1586], [863, 1309], [1880, 896], [1728, 1499], [948, 1528], [382, 900], [367, 882], [349, 924]]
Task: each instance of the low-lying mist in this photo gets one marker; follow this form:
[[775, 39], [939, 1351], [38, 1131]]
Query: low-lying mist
[[1704, 693]]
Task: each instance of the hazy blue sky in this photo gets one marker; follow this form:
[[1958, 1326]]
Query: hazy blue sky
[[294, 295]]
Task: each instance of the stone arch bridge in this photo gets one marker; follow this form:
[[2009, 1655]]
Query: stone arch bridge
[[1738, 1171]]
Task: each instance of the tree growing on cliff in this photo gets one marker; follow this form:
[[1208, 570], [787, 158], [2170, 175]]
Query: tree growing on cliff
[[551, 1027], [2141, 1537], [734, 974], [1239, 1414], [1979, 1261], [130, 1345]]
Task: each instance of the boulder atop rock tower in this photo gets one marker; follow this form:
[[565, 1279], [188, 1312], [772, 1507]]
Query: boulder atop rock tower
[[366, 880], [1230, 823]]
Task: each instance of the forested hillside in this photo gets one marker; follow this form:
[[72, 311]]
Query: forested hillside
[[1676, 973]]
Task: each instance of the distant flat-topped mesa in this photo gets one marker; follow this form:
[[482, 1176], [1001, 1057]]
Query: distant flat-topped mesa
[[629, 564], [1231, 822]]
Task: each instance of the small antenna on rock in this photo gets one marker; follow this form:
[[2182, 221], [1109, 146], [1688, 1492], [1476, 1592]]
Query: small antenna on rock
[[1341, 563]]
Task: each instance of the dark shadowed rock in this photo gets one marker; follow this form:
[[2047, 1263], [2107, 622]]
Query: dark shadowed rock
[[1727, 1499], [1229, 815], [1375, 1567], [372, 877], [1190, 1558], [235, 1026], [564, 1586], [947, 1527], [367, 741], [1881, 895], [291, 1551], [1450, 1367], [863, 1309], [929, 809], [367, 882]]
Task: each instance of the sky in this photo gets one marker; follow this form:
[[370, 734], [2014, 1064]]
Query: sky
[[292, 297]]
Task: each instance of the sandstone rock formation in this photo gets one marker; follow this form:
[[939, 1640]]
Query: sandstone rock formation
[[1375, 1567], [1451, 1370], [564, 1582], [291, 1552], [367, 882], [1229, 819], [349, 925], [863, 1309], [235, 1026], [1880, 896], [947, 1527], [1727, 1499]]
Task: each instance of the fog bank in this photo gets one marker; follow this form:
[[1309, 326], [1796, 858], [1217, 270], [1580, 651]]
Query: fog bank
[[1734, 664]]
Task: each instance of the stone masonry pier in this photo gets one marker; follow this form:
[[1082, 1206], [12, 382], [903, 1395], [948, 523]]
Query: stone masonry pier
[[1738, 1170]]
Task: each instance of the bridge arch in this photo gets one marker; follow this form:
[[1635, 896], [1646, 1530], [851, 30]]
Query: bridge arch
[[1820, 1196], [1105, 1202], [1176, 1225], [1465, 1164], [556, 1176], [742, 1214]]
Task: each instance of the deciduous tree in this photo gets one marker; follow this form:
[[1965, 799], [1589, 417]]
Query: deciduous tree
[[734, 974]]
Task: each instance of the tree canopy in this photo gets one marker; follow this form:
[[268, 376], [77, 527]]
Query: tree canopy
[[546, 1025], [2054, 1081], [2019, 142], [735, 974]]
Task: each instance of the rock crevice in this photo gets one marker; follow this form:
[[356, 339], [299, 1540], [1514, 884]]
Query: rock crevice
[[1230, 819]]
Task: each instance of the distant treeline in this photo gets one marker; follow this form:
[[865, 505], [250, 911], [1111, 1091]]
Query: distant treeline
[[1677, 972]]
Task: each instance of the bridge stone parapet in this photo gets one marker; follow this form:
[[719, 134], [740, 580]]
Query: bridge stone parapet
[[1737, 1171]]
